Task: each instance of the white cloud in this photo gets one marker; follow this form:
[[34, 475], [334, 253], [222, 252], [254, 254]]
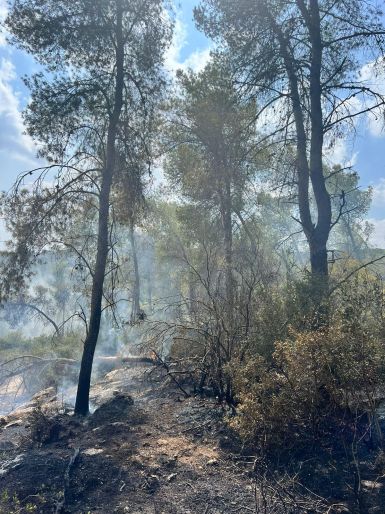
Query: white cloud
[[196, 60], [273, 117], [12, 137], [376, 124], [4, 235], [3, 9], [179, 40], [340, 152], [336, 151], [3, 14], [377, 238], [378, 199], [372, 75]]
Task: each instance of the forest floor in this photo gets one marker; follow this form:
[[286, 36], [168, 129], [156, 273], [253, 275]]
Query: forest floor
[[145, 449], [160, 453]]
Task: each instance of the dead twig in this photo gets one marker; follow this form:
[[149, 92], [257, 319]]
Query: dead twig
[[67, 476], [170, 374]]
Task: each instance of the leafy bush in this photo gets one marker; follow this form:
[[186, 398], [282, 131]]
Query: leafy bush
[[37, 360], [15, 343], [318, 383]]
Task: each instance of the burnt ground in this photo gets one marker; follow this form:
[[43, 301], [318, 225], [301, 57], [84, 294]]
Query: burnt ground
[[145, 449]]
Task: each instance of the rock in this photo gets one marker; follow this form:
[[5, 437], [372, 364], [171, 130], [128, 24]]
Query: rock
[[212, 462], [9, 465], [152, 483], [113, 410], [168, 462], [92, 451], [120, 425]]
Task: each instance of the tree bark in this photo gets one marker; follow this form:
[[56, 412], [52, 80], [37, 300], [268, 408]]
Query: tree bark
[[84, 383], [318, 258]]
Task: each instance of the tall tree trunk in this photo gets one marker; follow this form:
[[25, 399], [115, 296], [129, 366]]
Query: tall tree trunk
[[310, 169], [84, 383], [135, 310], [318, 243]]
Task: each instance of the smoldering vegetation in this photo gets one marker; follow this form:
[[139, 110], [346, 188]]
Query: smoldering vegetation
[[43, 328]]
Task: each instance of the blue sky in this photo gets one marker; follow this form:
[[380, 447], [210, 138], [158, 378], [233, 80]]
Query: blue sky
[[189, 49]]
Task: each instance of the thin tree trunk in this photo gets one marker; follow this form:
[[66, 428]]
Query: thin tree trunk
[[228, 254], [192, 306], [149, 293], [135, 310], [230, 284], [84, 383], [149, 278]]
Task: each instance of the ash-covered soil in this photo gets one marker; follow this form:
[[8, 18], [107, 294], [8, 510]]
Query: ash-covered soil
[[145, 449], [148, 449]]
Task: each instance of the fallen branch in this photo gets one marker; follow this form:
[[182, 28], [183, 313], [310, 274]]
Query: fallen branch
[[25, 363], [170, 374], [67, 479]]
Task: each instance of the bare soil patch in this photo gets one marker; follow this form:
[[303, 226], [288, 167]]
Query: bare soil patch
[[145, 449]]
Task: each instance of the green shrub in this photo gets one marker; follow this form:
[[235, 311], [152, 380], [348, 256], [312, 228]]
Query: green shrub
[[16, 344], [318, 383]]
